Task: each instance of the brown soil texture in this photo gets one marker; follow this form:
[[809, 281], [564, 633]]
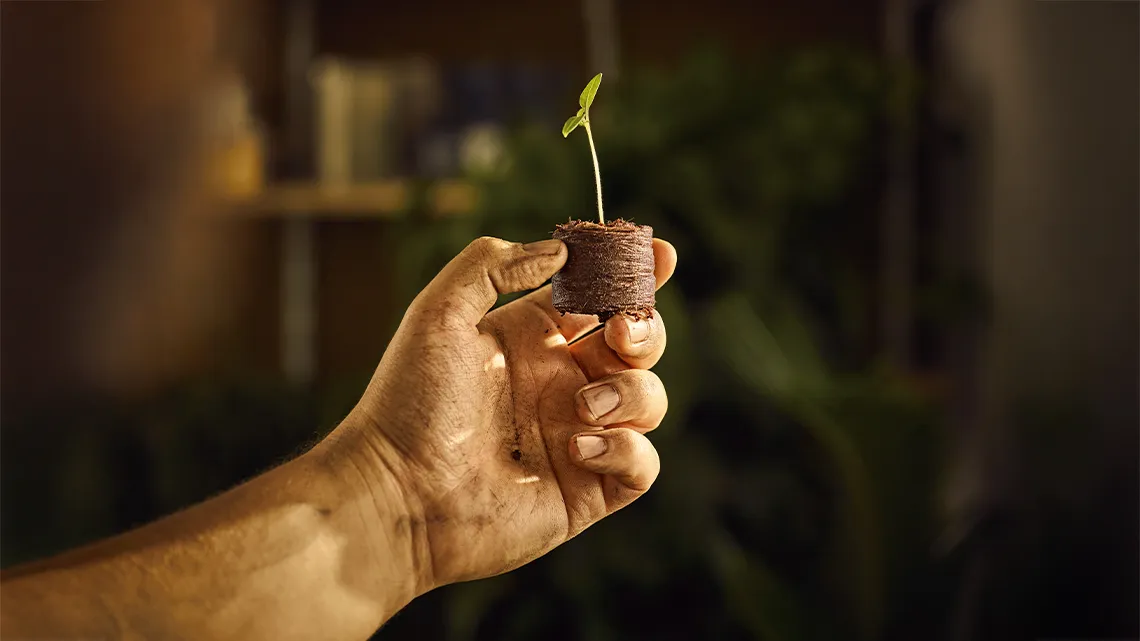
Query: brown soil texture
[[609, 269]]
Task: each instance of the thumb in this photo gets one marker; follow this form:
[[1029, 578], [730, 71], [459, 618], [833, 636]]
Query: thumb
[[467, 287]]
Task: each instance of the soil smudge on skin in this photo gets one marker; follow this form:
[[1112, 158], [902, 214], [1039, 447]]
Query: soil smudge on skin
[[516, 450]]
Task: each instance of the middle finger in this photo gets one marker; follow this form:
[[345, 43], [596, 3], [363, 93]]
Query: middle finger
[[624, 343]]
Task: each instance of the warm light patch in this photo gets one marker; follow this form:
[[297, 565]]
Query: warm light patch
[[315, 552], [460, 438], [495, 362], [528, 479]]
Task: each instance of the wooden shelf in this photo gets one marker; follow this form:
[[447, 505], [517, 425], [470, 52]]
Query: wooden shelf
[[363, 201]]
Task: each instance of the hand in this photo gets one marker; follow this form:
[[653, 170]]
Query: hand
[[483, 441], [506, 433]]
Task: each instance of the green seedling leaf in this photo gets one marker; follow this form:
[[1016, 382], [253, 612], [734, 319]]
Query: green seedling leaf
[[572, 124], [591, 90], [583, 118]]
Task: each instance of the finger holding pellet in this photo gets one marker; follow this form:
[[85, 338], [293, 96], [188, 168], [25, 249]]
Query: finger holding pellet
[[634, 398], [637, 341], [624, 343]]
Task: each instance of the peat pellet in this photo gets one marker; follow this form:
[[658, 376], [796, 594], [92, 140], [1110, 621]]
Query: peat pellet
[[609, 269]]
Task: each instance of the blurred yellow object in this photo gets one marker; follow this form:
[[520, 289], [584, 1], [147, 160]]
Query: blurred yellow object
[[237, 170], [236, 163], [453, 198]]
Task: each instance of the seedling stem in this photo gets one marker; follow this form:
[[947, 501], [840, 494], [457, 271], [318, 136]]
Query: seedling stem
[[583, 118], [597, 170]]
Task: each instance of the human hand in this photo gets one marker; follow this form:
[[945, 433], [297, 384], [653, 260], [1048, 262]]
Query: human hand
[[504, 434]]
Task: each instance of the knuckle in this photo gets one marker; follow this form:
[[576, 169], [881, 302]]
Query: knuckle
[[651, 401], [627, 442], [638, 388], [648, 453], [658, 333], [644, 460], [529, 271], [655, 466], [516, 275], [647, 383], [485, 247], [661, 407], [643, 450]]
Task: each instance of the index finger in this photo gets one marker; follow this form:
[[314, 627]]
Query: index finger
[[574, 326]]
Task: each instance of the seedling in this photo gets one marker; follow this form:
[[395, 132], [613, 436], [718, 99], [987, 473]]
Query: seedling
[[609, 267], [583, 118]]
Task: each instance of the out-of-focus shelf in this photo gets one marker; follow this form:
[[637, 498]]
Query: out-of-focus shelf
[[364, 201]]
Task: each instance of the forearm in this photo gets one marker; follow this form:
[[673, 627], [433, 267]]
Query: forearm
[[303, 551]]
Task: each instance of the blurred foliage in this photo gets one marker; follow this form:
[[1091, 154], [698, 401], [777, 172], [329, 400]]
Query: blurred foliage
[[799, 472]]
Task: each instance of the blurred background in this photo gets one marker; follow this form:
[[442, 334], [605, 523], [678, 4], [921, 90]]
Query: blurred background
[[903, 364]]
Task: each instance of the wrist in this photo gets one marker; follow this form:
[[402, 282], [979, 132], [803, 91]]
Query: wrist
[[377, 512]]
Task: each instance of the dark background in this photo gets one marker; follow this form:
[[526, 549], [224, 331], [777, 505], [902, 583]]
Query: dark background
[[903, 366]]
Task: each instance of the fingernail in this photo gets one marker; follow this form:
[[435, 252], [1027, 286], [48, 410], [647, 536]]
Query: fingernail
[[638, 330], [591, 446], [543, 247], [601, 400]]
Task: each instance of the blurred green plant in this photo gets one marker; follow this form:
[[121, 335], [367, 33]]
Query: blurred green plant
[[798, 473]]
